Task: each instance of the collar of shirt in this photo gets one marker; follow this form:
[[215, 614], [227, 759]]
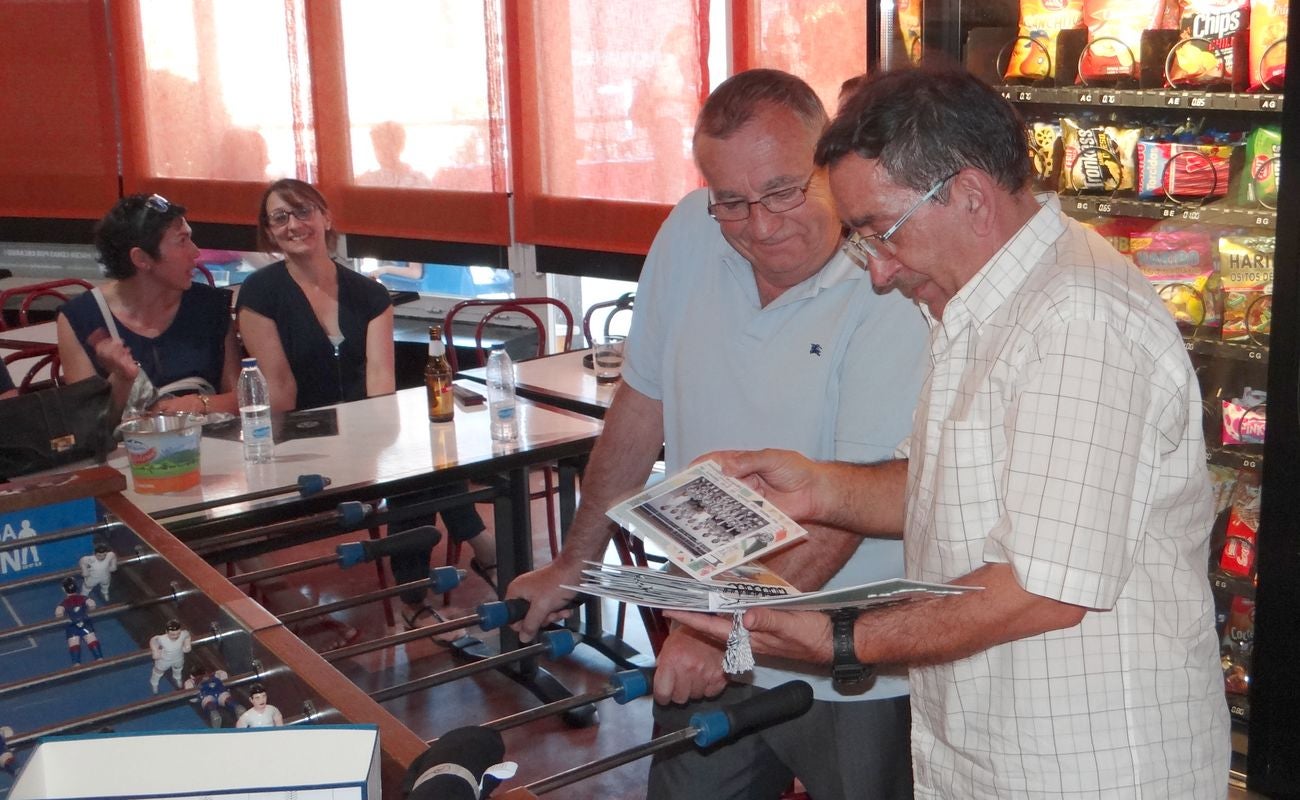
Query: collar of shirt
[[839, 269], [1002, 274]]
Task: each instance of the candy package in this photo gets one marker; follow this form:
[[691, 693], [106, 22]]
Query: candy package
[[1033, 55], [1115, 36], [1097, 158], [1246, 278], [1180, 265], [1206, 52], [1222, 482], [1263, 166], [1182, 171], [1268, 19], [1238, 555], [1245, 419], [909, 25]]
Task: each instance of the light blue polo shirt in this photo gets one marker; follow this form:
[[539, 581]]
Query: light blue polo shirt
[[830, 369]]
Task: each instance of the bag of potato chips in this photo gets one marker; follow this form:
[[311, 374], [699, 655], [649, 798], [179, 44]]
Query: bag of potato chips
[[1207, 51], [1033, 55], [1115, 36], [1268, 44]]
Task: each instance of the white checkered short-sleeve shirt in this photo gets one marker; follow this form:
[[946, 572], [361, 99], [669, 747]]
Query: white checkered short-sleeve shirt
[[1059, 432]]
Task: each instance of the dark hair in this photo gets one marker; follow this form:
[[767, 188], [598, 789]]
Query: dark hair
[[298, 193], [256, 688], [173, 625], [739, 98], [132, 222], [925, 124]]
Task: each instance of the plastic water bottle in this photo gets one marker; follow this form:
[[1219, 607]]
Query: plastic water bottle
[[501, 395], [255, 412]]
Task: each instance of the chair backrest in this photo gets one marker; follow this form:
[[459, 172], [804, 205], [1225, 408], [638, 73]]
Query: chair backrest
[[206, 273], [623, 303], [45, 357], [519, 305], [32, 291]]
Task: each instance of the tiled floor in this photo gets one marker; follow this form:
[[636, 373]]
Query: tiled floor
[[542, 748]]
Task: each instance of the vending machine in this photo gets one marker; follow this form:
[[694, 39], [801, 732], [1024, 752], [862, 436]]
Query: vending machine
[[1165, 125]]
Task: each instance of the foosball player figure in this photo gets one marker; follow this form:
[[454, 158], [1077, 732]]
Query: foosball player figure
[[76, 608], [97, 569], [213, 694], [6, 755], [169, 649], [261, 715]]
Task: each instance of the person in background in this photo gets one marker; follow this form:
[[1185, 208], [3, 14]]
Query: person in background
[[1056, 460], [322, 334], [750, 270], [151, 316]]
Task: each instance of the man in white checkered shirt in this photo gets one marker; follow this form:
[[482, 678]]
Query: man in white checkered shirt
[[1056, 459]]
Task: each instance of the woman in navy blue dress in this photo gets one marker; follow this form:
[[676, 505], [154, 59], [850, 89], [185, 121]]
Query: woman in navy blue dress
[[151, 316]]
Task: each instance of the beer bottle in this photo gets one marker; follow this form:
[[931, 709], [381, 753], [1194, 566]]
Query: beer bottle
[[437, 378]]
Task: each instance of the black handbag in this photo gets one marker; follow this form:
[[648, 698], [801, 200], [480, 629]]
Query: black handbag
[[55, 427]]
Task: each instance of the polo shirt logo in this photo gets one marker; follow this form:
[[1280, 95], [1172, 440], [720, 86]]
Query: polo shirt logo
[[814, 349]]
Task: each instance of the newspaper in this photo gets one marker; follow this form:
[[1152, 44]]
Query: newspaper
[[746, 587], [706, 522]]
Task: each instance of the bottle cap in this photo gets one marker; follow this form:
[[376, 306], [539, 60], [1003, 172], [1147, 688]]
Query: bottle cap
[[498, 346], [248, 362]]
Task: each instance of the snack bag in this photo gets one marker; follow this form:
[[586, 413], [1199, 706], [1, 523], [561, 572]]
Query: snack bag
[[1245, 419], [1206, 53], [1176, 170], [1222, 481], [1237, 645], [1246, 276], [1043, 140], [1268, 44], [1097, 158], [1180, 266], [1264, 165], [1115, 36], [1238, 555], [1033, 55], [909, 24]]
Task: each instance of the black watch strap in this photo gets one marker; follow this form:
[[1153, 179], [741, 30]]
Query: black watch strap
[[848, 674]]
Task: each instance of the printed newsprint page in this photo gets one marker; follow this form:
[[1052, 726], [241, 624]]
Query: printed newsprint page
[[706, 522], [715, 528]]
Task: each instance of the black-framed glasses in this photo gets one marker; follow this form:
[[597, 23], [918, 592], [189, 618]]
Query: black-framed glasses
[[154, 202], [280, 217], [778, 202], [878, 245]]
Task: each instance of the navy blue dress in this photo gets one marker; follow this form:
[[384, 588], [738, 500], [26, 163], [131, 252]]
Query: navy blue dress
[[194, 345], [324, 376]]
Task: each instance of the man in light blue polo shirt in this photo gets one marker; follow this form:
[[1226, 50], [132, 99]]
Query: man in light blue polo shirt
[[753, 330]]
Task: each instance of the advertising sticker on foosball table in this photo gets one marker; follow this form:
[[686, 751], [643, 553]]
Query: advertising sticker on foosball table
[[22, 552]]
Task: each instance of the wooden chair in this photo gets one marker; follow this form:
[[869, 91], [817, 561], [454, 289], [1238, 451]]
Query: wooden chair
[[527, 307], [56, 289], [623, 303]]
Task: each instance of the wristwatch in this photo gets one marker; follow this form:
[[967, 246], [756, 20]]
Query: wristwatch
[[848, 674]]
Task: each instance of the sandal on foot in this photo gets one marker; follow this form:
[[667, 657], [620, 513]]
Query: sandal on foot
[[427, 615], [485, 572], [346, 639]]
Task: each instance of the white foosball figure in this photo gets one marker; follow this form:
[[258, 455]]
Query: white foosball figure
[[169, 651], [261, 715], [97, 569]]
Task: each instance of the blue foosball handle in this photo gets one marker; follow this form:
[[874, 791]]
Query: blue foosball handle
[[312, 483]]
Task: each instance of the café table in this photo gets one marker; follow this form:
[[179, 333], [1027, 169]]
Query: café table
[[42, 333], [559, 380], [384, 447]]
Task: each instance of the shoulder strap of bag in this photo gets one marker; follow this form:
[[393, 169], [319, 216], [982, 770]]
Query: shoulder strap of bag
[[108, 316]]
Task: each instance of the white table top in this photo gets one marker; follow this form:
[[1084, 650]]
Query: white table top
[[40, 333], [559, 379], [380, 439]]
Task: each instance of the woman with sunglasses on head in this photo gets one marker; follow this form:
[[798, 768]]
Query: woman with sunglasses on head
[[151, 316], [320, 332]]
